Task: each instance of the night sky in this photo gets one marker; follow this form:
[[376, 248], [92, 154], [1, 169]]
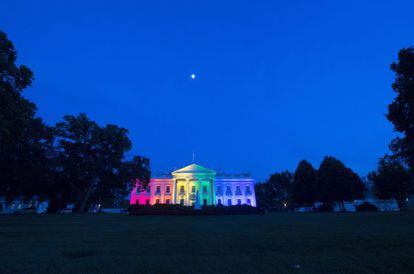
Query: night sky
[[276, 81]]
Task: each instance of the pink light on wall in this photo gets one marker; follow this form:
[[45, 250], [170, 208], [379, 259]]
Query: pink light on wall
[[139, 195]]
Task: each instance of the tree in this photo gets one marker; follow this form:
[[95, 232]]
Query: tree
[[337, 183], [394, 177], [263, 192], [25, 141], [401, 110], [304, 184], [392, 180], [92, 160], [275, 193]]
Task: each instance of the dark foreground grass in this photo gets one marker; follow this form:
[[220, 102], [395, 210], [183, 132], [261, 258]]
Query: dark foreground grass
[[273, 243]]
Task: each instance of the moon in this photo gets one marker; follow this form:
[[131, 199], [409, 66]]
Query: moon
[[193, 76]]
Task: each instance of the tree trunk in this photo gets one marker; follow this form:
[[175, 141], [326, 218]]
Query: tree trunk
[[341, 206], [84, 201], [53, 206]]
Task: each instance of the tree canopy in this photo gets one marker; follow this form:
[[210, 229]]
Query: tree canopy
[[25, 141], [337, 183], [304, 184], [275, 193], [392, 180], [93, 159], [77, 161], [394, 177], [401, 110]]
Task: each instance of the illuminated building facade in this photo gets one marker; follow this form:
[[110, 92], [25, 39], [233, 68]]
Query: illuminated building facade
[[195, 185]]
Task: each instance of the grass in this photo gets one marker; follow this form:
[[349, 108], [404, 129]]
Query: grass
[[273, 243]]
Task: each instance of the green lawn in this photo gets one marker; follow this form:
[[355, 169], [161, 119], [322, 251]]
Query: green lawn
[[273, 243]]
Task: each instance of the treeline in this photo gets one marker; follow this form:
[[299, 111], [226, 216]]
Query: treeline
[[78, 161], [332, 183], [75, 161], [335, 183]]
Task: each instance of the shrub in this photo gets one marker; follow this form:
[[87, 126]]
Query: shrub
[[366, 206], [172, 209], [325, 208], [228, 210]]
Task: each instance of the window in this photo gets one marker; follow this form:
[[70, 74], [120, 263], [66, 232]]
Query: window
[[137, 202], [238, 191], [192, 203], [167, 190], [158, 190], [204, 202], [204, 189], [182, 190], [138, 191], [249, 202], [228, 191], [167, 201], [229, 202], [193, 189], [219, 201], [248, 191], [181, 202], [157, 201], [219, 191], [238, 201], [147, 202], [148, 189]]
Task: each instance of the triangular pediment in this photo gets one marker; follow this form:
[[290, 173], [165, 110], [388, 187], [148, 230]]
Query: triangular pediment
[[194, 169]]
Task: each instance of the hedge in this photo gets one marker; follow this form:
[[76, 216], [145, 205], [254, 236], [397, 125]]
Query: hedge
[[172, 209]]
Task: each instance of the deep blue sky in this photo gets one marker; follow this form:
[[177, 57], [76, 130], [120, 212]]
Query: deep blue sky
[[277, 81]]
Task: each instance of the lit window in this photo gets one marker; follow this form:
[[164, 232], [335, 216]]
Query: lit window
[[228, 191], [219, 191], [229, 202], [238, 191]]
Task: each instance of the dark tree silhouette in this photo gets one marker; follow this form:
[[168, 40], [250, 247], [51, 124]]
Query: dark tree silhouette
[[401, 110], [275, 193], [337, 183], [304, 184], [392, 180], [394, 177], [92, 160], [25, 141], [77, 161]]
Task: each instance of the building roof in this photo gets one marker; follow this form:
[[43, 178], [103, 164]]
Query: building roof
[[194, 169]]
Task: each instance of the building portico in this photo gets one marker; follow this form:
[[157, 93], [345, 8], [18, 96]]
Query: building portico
[[194, 183]]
